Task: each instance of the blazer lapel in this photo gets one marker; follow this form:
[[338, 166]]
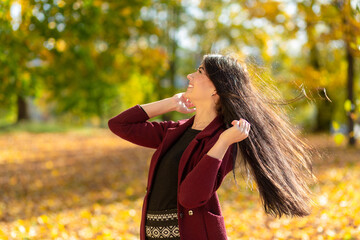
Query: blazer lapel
[[173, 134], [208, 131]]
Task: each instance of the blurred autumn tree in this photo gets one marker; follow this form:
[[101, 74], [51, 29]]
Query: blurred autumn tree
[[90, 59], [309, 43], [79, 54], [333, 37]]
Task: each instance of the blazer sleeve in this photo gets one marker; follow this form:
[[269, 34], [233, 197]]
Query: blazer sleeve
[[132, 125], [205, 178]]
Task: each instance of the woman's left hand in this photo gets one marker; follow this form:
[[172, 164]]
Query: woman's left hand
[[238, 132]]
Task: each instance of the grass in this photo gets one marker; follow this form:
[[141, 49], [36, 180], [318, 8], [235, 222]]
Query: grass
[[40, 127]]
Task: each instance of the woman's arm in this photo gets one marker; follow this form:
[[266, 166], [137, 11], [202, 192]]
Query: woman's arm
[[178, 103], [219, 149], [159, 107], [205, 178], [132, 124]]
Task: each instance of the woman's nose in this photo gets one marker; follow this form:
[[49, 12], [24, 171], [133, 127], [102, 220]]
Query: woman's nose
[[189, 76]]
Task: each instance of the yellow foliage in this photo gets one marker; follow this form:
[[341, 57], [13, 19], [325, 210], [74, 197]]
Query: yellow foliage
[[100, 190], [85, 214], [125, 11], [43, 219], [347, 105], [60, 45], [61, 3], [335, 125], [134, 90], [129, 191], [339, 138]]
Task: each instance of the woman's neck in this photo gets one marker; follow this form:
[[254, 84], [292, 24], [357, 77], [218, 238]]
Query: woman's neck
[[203, 117]]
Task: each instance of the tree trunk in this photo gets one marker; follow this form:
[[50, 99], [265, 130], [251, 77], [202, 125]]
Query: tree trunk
[[172, 47], [22, 109], [350, 92], [324, 108], [324, 114]]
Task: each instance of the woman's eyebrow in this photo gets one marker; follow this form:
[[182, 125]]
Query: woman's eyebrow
[[202, 68]]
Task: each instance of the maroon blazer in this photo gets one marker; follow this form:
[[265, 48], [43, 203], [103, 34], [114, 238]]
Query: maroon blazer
[[199, 175]]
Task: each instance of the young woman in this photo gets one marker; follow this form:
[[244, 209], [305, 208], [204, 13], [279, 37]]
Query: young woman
[[233, 124]]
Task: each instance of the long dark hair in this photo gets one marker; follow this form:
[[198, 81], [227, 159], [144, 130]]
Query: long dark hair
[[274, 156]]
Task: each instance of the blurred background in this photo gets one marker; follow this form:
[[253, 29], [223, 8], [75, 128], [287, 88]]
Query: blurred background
[[67, 67]]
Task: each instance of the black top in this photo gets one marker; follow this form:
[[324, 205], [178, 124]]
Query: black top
[[164, 189]]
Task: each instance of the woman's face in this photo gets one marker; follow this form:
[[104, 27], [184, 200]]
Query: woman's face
[[200, 87]]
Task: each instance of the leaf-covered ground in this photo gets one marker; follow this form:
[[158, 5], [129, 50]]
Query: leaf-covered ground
[[91, 186]]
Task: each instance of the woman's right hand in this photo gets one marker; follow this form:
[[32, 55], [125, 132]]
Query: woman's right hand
[[182, 104]]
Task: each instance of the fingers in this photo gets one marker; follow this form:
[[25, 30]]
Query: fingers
[[248, 129], [190, 110], [243, 126], [185, 105], [240, 125], [189, 103]]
